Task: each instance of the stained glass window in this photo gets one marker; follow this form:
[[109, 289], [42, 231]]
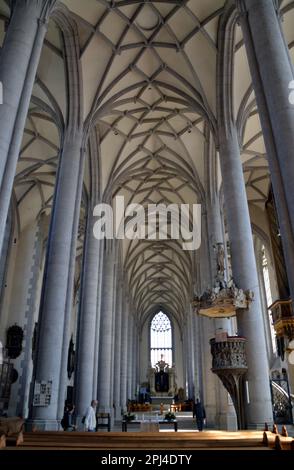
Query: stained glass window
[[161, 339]]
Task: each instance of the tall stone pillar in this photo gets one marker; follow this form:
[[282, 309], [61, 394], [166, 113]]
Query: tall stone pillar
[[130, 358], [124, 354], [19, 60], [189, 357], [135, 358], [87, 319], [118, 351], [184, 358], [191, 353], [106, 336], [208, 395], [97, 332], [57, 275], [250, 322], [197, 356], [225, 417], [206, 331], [272, 71], [113, 345]]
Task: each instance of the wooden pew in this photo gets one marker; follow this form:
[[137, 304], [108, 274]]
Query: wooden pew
[[269, 439], [103, 421], [152, 441], [284, 443], [14, 440], [2, 441]]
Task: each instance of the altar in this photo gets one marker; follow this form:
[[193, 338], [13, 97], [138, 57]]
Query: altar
[[162, 379], [150, 426]]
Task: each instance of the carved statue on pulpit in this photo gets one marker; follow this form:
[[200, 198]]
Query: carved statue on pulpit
[[220, 256]]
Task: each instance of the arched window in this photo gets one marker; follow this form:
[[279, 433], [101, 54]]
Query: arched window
[[269, 300], [161, 339]]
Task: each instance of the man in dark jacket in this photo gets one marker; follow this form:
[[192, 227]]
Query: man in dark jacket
[[199, 412]]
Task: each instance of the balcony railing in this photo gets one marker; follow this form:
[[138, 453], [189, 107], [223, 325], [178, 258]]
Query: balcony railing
[[283, 318]]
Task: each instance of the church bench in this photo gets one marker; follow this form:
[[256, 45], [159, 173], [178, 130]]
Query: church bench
[[284, 443], [103, 421], [152, 441], [2, 440], [13, 440], [269, 439], [11, 431], [277, 442], [11, 425]]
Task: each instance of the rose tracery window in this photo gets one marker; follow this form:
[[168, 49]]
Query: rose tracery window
[[161, 339]]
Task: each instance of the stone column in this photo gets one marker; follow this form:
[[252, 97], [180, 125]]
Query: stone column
[[130, 358], [197, 354], [271, 71], [19, 60], [124, 354], [118, 351], [106, 337], [53, 306], [87, 319], [250, 322], [135, 358], [208, 392], [69, 306], [189, 356], [206, 331], [184, 358], [97, 332], [223, 416], [113, 345]]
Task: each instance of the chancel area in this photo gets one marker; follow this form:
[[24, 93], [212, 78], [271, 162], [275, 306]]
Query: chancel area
[[147, 211]]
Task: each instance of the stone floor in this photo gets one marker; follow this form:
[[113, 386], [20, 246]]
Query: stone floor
[[186, 423]]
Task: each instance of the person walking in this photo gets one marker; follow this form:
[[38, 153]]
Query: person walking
[[90, 417], [199, 413], [67, 421]]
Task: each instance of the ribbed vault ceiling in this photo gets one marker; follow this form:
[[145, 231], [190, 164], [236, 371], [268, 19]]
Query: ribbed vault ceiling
[[149, 86]]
